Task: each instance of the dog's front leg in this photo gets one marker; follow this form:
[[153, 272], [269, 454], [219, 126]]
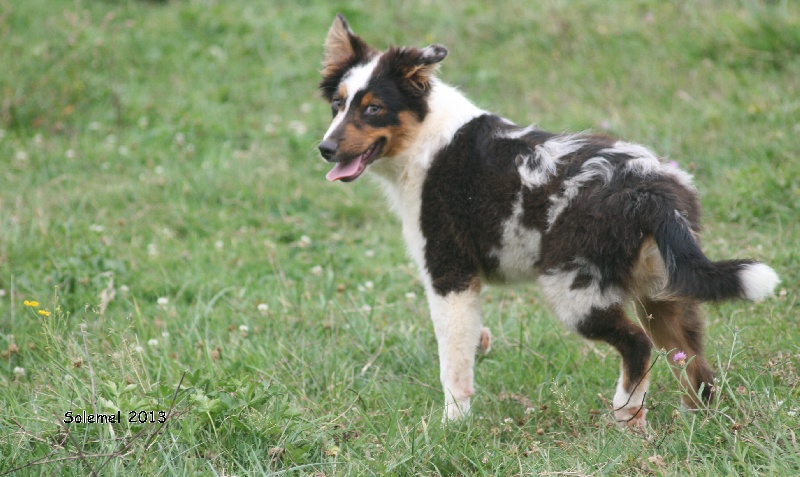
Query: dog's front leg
[[457, 323]]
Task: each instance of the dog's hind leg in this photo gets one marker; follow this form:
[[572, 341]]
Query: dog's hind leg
[[612, 326], [677, 326], [457, 323], [597, 313], [485, 342]]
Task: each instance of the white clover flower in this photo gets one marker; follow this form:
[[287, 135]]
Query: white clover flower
[[305, 241], [19, 372], [165, 334], [369, 285], [369, 253], [152, 342], [217, 52], [163, 301], [317, 271], [138, 349], [411, 296], [263, 308], [244, 328], [298, 127]]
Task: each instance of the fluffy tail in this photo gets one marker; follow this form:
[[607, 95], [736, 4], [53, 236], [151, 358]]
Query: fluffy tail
[[691, 274]]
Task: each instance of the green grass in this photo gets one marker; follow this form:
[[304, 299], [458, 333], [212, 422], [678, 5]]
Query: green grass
[[167, 150]]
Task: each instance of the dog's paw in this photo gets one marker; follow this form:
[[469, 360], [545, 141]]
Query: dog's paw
[[485, 342], [632, 418], [456, 410]]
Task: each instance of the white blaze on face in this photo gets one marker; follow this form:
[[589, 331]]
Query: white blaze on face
[[353, 81]]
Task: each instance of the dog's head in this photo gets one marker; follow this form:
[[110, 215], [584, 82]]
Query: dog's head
[[378, 99]]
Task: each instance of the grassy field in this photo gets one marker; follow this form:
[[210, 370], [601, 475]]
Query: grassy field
[[163, 203]]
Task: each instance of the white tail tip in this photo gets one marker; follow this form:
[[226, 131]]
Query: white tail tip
[[758, 281]]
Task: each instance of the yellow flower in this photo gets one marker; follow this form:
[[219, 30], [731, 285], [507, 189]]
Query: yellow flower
[[44, 312], [30, 303]]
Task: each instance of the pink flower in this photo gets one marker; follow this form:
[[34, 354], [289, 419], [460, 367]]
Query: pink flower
[[679, 356]]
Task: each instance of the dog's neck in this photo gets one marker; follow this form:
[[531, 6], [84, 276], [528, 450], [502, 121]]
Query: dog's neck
[[403, 176]]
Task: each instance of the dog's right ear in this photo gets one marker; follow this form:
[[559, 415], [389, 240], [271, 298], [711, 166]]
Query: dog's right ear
[[342, 46]]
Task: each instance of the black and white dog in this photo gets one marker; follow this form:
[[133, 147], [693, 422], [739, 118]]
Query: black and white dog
[[596, 221]]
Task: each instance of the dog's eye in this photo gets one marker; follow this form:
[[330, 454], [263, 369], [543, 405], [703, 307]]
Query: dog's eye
[[336, 105], [372, 110]]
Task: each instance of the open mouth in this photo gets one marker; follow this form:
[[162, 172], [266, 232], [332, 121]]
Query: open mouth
[[350, 170]]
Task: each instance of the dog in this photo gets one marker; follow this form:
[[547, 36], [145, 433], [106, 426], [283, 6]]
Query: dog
[[596, 221]]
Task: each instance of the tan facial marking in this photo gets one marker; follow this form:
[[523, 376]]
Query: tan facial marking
[[357, 135], [400, 137], [367, 99]]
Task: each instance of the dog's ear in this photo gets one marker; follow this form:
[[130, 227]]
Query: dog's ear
[[418, 66], [342, 46]]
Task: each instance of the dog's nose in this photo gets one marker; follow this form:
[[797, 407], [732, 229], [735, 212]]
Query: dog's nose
[[327, 149]]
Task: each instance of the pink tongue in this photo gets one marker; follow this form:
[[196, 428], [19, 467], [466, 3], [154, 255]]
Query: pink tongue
[[344, 171]]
